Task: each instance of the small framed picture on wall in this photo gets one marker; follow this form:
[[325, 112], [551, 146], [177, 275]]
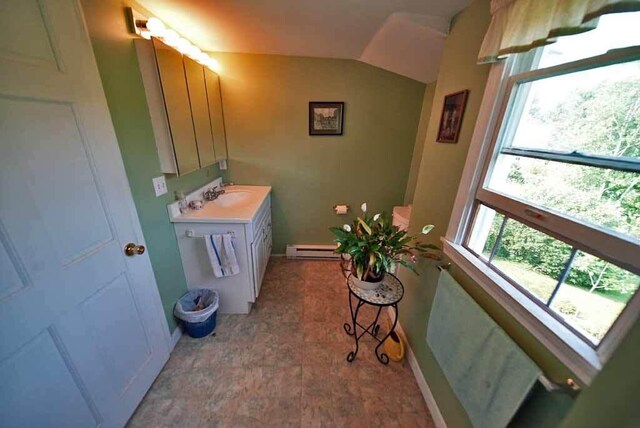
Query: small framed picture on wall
[[326, 118], [451, 118]]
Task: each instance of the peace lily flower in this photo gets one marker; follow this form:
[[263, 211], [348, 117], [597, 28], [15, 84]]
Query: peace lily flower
[[427, 229], [363, 207], [376, 246]]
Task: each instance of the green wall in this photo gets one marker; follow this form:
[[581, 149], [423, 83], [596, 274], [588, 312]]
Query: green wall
[[266, 111], [425, 116], [611, 400], [118, 66]]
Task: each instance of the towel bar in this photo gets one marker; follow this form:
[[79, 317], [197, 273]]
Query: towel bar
[[569, 387], [189, 233], [444, 266]]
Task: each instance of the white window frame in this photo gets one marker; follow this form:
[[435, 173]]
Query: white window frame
[[580, 358]]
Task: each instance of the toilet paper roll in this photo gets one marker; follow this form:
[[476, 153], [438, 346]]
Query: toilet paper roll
[[341, 209]]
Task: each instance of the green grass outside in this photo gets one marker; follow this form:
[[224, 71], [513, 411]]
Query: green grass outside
[[590, 313]]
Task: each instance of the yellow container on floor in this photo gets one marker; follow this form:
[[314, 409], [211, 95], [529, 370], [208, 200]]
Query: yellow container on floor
[[394, 347]]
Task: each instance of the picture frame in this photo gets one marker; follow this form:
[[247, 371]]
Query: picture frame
[[326, 117], [451, 117]]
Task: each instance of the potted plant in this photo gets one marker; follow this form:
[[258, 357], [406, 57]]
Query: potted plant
[[375, 246]]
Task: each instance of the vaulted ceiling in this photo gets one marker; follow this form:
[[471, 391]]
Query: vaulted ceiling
[[402, 36]]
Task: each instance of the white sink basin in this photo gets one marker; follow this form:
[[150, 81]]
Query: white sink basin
[[239, 204], [232, 199]]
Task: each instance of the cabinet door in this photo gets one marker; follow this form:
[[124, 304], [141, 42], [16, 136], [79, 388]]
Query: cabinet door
[[262, 252], [217, 114], [200, 111], [176, 100], [265, 252], [267, 243], [256, 263]]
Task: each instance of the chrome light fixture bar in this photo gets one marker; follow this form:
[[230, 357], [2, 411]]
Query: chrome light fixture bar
[[153, 27]]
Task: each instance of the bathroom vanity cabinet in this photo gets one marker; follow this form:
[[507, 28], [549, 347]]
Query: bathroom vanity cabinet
[[185, 106], [244, 211]]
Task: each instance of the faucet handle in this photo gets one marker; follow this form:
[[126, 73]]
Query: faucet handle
[[209, 194]]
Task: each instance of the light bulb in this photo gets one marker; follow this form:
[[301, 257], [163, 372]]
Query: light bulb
[[214, 65], [171, 37], [203, 58], [183, 45], [145, 34], [193, 52], [188, 50], [156, 27]]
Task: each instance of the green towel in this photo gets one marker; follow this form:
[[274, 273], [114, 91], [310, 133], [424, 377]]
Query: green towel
[[489, 373]]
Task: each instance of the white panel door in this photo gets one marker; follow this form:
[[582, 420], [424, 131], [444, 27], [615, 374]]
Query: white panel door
[[83, 335]]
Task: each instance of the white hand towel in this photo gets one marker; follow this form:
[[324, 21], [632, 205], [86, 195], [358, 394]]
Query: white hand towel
[[222, 254], [230, 262]]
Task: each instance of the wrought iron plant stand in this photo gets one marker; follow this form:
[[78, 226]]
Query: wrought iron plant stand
[[388, 293]]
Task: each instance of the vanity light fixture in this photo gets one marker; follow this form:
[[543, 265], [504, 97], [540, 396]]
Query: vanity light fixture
[[154, 27], [183, 45], [171, 38]]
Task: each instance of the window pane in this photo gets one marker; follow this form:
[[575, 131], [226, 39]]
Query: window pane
[[530, 258], [614, 31], [485, 231], [606, 198], [595, 112], [593, 295]]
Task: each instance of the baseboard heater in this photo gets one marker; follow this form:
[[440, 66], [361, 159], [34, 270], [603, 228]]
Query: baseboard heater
[[312, 252]]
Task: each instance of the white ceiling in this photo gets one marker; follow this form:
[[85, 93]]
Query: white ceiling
[[403, 36]]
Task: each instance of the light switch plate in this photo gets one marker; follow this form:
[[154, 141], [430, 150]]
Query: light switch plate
[[160, 185], [223, 164]]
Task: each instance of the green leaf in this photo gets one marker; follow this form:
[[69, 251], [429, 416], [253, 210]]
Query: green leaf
[[364, 225], [405, 240], [428, 246], [408, 266], [339, 232]]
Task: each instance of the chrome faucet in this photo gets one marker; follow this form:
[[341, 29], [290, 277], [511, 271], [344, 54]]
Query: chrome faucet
[[212, 194]]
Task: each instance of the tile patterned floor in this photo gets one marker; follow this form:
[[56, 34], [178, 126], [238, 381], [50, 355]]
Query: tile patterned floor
[[284, 365]]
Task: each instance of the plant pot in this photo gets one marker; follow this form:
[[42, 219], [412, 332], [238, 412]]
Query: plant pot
[[367, 285]]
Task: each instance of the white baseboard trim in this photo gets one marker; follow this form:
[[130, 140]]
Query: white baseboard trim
[[438, 419], [175, 336]]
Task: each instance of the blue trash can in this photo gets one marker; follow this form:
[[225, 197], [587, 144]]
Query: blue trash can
[[198, 323]]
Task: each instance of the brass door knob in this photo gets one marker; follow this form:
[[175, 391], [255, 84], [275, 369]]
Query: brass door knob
[[132, 249]]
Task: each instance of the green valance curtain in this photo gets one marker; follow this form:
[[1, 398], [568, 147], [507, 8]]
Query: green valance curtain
[[521, 25]]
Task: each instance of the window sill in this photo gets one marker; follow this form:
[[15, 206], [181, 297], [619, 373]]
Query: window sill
[[576, 355]]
